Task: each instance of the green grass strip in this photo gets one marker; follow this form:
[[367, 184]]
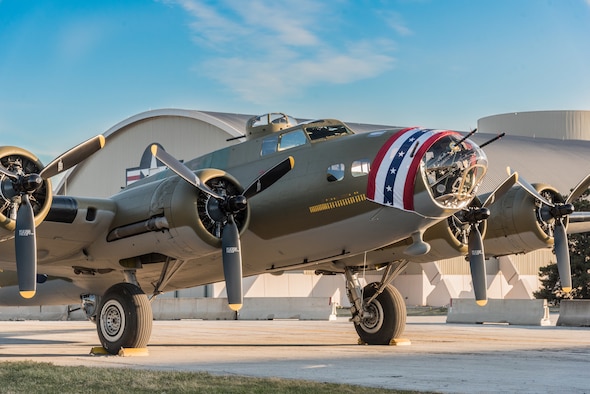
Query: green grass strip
[[32, 377]]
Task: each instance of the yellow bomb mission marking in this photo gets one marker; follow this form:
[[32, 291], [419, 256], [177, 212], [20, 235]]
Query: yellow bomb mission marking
[[337, 203]]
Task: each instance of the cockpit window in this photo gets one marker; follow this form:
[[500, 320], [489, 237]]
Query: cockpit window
[[319, 130], [326, 131], [276, 143], [453, 171], [269, 145], [292, 139]]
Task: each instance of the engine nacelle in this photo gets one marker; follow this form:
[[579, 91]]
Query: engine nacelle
[[192, 207], [516, 224], [17, 159], [193, 218]]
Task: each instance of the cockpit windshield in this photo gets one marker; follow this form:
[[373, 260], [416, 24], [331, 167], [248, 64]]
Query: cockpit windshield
[[453, 170], [325, 131]]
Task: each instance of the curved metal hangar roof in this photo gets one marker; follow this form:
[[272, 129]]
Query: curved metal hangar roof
[[540, 150]]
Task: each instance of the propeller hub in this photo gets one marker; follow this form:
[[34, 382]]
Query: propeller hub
[[30, 183], [214, 210], [557, 211], [562, 210], [219, 209], [236, 204], [474, 216]]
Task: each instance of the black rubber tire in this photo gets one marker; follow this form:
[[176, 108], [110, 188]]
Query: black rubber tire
[[124, 319], [389, 322]]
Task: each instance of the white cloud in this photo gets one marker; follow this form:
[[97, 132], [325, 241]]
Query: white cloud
[[268, 49], [285, 21], [210, 27], [397, 23], [260, 80]]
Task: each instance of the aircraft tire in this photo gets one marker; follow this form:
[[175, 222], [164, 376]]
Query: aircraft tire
[[124, 319], [388, 316]]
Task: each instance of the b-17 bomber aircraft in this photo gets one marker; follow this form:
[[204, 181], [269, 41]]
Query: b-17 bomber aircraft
[[293, 195]]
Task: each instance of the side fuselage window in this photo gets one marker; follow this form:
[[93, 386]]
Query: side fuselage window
[[360, 167], [335, 172]]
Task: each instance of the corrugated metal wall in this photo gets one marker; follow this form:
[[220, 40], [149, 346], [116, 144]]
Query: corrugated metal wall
[[526, 264]]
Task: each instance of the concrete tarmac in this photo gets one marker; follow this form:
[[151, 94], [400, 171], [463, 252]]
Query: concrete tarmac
[[453, 358]]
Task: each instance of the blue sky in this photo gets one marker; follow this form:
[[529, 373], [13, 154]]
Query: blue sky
[[72, 69]]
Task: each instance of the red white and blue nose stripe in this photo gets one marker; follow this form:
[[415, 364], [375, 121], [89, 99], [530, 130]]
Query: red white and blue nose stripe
[[393, 172]]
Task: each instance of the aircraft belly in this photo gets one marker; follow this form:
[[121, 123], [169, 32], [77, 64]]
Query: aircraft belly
[[332, 242], [371, 230]]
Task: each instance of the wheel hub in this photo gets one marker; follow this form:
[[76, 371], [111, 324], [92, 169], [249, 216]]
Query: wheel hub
[[372, 317], [112, 320]]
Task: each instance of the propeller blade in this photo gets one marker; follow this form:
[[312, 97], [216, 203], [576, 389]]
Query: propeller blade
[[182, 171], [530, 189], [477, 266], [563, 256], [26, 249], [232, 264], [73, 156], [558, 212], [269, 177], [579, 189], [501, 189]]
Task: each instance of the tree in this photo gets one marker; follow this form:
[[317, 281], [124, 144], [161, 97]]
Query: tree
[[579, 247]]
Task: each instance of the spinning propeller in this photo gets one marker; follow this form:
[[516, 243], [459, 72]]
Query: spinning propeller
[[24, 185], [557, 212], [473, 216], [228, 205]]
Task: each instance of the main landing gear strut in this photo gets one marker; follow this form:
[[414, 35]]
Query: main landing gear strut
[[378, 310]]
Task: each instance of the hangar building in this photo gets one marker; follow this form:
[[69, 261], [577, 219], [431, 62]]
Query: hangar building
[[548, 142], [568, 125]]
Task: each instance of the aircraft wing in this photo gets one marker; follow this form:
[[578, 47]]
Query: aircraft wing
[[71, 225], [579, 222]]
